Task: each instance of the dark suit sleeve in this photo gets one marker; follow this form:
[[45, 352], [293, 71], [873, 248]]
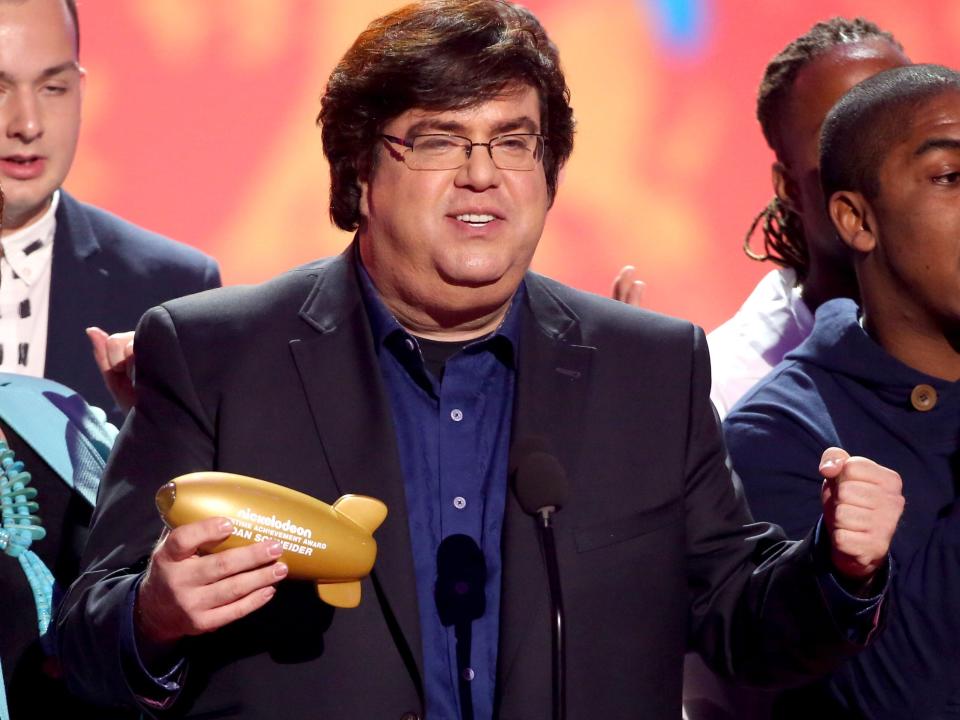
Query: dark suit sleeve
[[913, 668], [757, 609], [166, 435]]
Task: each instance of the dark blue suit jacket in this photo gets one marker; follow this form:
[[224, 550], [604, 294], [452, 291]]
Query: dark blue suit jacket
[[108, 272]]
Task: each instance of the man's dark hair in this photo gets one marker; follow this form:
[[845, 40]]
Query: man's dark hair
[[871, 119], [783, 239], [436, 55]]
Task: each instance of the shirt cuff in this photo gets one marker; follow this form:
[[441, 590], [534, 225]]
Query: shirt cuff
[[857, 617], [157, 692]]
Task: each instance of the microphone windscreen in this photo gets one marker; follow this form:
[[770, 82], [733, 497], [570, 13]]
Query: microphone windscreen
[[539, 482], [524, 447]]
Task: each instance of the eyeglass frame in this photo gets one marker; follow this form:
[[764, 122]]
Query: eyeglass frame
[[541, 145]]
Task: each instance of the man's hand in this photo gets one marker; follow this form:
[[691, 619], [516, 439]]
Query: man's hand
[[627, 289], [114, 357], [185, 593], [862, 503]]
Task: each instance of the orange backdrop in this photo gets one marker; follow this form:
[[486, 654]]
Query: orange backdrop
[[199, 123]]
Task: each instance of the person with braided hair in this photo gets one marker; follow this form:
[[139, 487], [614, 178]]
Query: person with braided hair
[[799, 86]]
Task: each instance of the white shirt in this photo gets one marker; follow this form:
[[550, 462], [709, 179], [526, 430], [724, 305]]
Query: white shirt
[[25, 294], [771, 322]]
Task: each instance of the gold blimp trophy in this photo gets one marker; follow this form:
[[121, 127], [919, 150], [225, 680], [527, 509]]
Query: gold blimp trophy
[[331, 545]]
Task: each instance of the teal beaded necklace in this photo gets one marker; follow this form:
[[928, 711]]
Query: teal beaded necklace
[[19, 528]]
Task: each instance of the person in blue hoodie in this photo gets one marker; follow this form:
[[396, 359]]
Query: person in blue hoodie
[[882, 380]]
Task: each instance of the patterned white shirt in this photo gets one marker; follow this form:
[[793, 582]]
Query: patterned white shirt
[[25, 294]]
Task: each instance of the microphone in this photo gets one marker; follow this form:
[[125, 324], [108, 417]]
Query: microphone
[[541, 486], [460, 595], [460, 592]]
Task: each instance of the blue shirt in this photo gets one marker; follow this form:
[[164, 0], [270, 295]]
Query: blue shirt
[[454, 439]]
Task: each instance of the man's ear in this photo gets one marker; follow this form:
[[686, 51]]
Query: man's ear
[[364, 204], [853, 219], [784, 187]]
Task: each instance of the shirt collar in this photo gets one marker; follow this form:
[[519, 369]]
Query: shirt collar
[[384, 325], [22, 248]]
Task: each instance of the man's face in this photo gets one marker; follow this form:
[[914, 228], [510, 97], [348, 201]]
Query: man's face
[[915, 266], [816, 88], [451, 241], [40, 93]]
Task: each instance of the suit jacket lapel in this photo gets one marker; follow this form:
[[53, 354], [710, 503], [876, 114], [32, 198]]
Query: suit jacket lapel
[[78, 291], [552, 382], [341, 377]]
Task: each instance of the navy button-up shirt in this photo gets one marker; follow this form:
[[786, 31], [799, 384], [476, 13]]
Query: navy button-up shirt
[[454, 439]]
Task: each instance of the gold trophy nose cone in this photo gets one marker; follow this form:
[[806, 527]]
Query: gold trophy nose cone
[[166, 497]]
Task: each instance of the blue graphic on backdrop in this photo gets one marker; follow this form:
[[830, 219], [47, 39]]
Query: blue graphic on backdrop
[[681, 25]]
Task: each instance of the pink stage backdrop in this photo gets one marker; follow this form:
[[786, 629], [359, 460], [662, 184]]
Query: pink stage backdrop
[[199, 123]]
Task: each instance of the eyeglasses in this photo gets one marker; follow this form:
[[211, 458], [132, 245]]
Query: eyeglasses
[[518, 151]]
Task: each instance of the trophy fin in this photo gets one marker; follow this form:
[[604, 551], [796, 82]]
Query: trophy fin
[[342, 595], [367, 512]]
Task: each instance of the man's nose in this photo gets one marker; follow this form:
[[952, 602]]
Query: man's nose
[[479, 172], [24, 116]]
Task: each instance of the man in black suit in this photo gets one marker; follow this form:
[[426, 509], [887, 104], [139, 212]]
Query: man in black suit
[[406, 369], [66, 266]]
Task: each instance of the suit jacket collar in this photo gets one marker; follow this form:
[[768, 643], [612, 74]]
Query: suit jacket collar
[[78, 291], [552, 385], [350, 407], [74, 227]]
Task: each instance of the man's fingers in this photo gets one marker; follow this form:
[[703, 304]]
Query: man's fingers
[[853, 518], [864, 494], [184, 542], [862, 504], [214, 567], [627, 289], [98, 341], [216, 618], [111, 352], [232, 588], [635, 293], [170, 608], [119, 349], [864, 470], [832, 461], [622, 283]]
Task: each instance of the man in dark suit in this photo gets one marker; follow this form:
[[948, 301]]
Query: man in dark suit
[[66, 266], [406, 369]]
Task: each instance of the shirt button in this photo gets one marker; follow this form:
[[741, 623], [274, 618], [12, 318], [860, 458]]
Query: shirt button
[[468, 674], [410, 716], [409, 344], [456, 414], [459, 502], [923, 398]]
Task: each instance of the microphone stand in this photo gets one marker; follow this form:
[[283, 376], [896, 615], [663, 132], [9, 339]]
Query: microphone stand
[[559, 658], [463, 632], [459, 594]]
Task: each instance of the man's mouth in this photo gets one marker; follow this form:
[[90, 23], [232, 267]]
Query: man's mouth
[[22, 167], [476, 220], [22, 159]]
